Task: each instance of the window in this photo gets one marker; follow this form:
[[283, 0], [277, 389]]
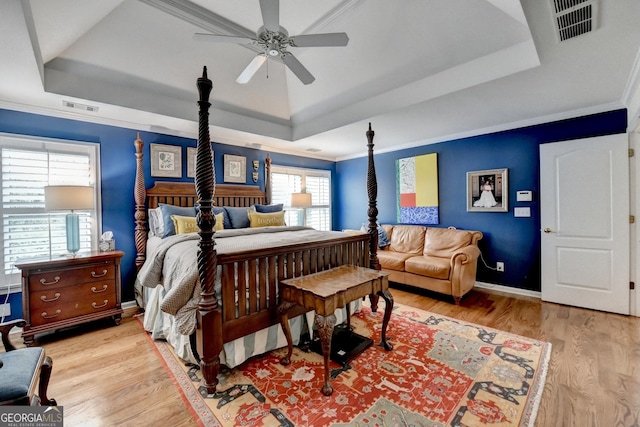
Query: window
[[287, 180], [27, 165]]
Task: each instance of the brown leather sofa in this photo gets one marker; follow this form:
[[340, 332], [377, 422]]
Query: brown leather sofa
[[443, 260]]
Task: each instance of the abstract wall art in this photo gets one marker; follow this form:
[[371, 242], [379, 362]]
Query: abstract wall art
[[417, 189]]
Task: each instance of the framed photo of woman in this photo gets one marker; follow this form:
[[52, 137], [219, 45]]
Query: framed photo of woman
[[488, 191]]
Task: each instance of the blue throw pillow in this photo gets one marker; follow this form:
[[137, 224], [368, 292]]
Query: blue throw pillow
[[167, 211], [238, 216], [383, 238], [269, 208]]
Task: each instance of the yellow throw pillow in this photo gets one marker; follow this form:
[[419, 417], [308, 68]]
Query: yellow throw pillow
[[219, 222], [188, 224], [185, 224], [257, 219]]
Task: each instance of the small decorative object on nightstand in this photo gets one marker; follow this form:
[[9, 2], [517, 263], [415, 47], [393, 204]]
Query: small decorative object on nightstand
[[60, 292]]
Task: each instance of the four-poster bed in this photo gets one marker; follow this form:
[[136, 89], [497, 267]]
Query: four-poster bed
[[237, 283]]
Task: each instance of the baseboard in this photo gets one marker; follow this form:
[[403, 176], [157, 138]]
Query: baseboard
[[509, 289], [129, 304]]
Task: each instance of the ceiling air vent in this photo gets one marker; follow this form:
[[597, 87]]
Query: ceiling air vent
[[573, 18], [78, 106]]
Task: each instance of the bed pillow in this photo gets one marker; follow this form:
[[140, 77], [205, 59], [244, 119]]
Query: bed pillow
[[269, 208], [156, 226], [258, 219], [167, 210], [189, 224], [239, 217], [184, 224]]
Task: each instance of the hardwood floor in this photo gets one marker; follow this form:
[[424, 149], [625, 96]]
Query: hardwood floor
[[111, 376]]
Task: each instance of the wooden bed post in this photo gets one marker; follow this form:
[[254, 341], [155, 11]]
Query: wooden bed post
[[372, 192], [209, 332], [140, 215], [267, 179]]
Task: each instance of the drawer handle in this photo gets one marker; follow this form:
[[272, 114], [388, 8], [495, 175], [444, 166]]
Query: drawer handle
[[97, 291], [55, 280], [94, 274], [50, 316], [94, 305], [55, 297]]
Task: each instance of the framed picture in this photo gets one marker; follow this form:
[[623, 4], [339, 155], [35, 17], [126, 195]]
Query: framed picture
[[488, 191], [235, 169], [191, 161], [166, 160]]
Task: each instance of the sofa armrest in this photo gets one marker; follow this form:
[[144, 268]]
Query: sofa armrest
[[465, 255]]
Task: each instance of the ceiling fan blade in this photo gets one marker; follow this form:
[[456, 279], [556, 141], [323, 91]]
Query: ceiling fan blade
[[251, 69], [328, 39], [271, 14], [222, 39], [297, 68]]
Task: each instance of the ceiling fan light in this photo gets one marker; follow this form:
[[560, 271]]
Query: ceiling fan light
[[272, 49]]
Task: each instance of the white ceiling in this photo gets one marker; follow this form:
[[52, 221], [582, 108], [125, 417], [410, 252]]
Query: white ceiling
[[421, 71]]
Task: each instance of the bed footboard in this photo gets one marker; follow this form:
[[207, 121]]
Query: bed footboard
[[250, 280]]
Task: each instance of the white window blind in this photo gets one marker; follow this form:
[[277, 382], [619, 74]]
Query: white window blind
[[27, 166], [287, 180]]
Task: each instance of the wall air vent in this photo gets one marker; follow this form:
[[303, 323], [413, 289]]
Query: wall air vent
[[78, 106], [573, 18]]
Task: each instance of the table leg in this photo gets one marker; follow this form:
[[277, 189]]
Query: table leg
[[284, 322], [388, 299], [325, 325]]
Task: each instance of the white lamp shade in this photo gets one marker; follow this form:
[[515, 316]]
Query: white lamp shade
[[68, 197], [300, 200]]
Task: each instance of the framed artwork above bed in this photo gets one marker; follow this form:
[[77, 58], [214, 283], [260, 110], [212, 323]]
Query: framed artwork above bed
[[166, 161], [191, 161], [235, 169]]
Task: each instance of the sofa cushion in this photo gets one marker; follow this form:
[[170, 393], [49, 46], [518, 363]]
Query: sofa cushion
[[443, 242], [393, 260], [435, 267], [408, 239]]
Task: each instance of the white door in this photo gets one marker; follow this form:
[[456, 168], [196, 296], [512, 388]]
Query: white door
[[584, 199]]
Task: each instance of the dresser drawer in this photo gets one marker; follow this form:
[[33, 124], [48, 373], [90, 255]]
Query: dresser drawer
[[69, 305], [39, 300], [55, 279]]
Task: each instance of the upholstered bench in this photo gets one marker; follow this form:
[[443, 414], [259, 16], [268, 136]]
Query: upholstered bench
[[21, 370]]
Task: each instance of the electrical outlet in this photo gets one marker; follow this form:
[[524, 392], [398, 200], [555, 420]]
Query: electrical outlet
[[500, 266], [5, 310]]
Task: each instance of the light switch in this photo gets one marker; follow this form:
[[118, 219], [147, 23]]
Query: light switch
[[522, 212]]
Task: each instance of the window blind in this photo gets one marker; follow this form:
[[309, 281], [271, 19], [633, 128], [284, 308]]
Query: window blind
[[288, 180], [27, 166]]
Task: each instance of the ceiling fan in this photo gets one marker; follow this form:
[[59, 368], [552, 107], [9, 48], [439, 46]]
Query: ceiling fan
[[274, 41]]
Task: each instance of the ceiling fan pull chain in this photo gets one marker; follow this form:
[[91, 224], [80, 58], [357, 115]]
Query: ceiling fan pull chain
[[267, 66]]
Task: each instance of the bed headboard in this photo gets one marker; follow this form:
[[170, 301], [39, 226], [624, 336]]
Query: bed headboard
[[184, 194]]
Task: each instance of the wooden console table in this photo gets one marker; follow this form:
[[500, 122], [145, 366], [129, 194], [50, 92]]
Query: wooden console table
[[325, 292]]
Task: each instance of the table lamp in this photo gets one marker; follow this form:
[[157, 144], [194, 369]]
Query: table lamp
[[301, 201], [69, 198]]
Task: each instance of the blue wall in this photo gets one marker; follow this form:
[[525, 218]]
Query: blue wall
[[515, 241], [117, 163]]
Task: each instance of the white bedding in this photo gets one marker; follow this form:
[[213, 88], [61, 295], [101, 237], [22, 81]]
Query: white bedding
[[169, 282]]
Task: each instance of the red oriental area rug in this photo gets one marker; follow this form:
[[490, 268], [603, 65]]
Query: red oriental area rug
[[441, 372]]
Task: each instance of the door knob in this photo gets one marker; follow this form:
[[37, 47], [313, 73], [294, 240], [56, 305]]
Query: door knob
[[547, 230]]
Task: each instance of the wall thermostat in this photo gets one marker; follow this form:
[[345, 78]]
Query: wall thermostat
[[524, 196]]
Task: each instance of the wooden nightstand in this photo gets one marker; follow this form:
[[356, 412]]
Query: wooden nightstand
[[66, 291]]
